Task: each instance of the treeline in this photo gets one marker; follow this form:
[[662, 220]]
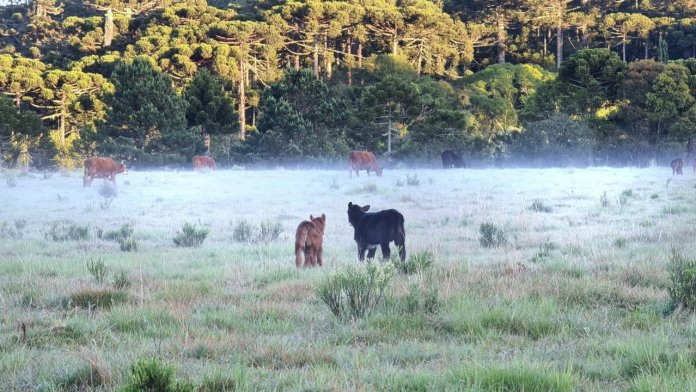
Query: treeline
[[541, 82]]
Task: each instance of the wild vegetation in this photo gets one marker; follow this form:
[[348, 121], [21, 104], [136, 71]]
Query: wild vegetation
[[593, 293], [526, 81]]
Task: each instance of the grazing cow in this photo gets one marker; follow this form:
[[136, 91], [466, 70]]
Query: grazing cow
[[105, 168], [677, 166], [363, 160], [377, 228], [309, 239], [203, 161], [451, 159]]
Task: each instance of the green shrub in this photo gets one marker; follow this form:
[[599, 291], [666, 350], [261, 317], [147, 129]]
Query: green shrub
[[604, 200], [122, 280], [11, 182], [424, 300], [269, 230], [353, 292], [682, 286], [190, 236], [491, 235], [124, 237], [66, 230], [539, 206], [412, 180], [97, 269], [149, 375], [417, 262], [218, 383], [243, 231]]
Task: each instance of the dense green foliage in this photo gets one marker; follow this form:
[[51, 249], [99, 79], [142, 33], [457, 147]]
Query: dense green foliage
[[289, 81]]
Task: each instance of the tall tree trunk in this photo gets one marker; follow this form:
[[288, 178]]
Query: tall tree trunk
[[559, 46], [316, 57], [108, 27], [242, 101], [647, 41], [350, 63], [327, 58], [623, 49], [501, 36], [360, 56], [395, 42], [62, 118], [296, 61]]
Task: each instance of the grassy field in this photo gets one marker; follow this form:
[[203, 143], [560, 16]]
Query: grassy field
[[571, 295]]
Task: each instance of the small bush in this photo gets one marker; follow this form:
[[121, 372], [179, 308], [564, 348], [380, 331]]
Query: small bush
[[8, 232], [353, 292], [604, 200], [270, 230], [218, 383], [66, 230], [190, 236], [419, 299], [243, 231], [625, 195], [11, 182], [417, 262], [124, 237], [150, 375], [491, 235], [96, 299], [682, 286], [97, 269], [539, 206], [122, 280], [412, 180]]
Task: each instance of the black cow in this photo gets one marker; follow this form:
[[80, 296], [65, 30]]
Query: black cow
[[451, 159], [377, 228]]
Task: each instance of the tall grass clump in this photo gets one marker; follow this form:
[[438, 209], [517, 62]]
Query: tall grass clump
[[148, 375], [243, 231], [96, 299], [417, 262], [682, 285], [98, 270], [190, 236], [124, 237], [539, 206], [269, 230], [412, 180], [121, 280], [491, 235], [516, 378], [355, 291], [66, 231]]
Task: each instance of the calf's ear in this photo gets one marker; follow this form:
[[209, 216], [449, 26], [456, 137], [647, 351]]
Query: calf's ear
[[323, 217], [365, 208], [350, 204]]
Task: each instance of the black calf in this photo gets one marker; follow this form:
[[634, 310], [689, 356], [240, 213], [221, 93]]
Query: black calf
[[377, 228], [451, 159]]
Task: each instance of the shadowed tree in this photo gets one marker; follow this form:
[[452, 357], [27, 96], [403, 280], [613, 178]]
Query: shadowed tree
[[146, 121]]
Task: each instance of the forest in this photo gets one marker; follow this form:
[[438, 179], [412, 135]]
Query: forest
[[505, 82]]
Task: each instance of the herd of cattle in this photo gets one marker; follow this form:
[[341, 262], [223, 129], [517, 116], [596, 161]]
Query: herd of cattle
[[371, 229]]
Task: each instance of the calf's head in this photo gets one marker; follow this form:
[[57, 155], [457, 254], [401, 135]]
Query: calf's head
[[355, 212]]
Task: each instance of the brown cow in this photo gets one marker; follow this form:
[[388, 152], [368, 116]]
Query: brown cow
[[363, 160], [309, 239], [203, 161], [105, 168], [677, 166]]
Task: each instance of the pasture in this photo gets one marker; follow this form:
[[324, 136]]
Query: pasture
[[571, 295]]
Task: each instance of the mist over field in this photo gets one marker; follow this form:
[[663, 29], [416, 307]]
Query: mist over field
[[573, 297]]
